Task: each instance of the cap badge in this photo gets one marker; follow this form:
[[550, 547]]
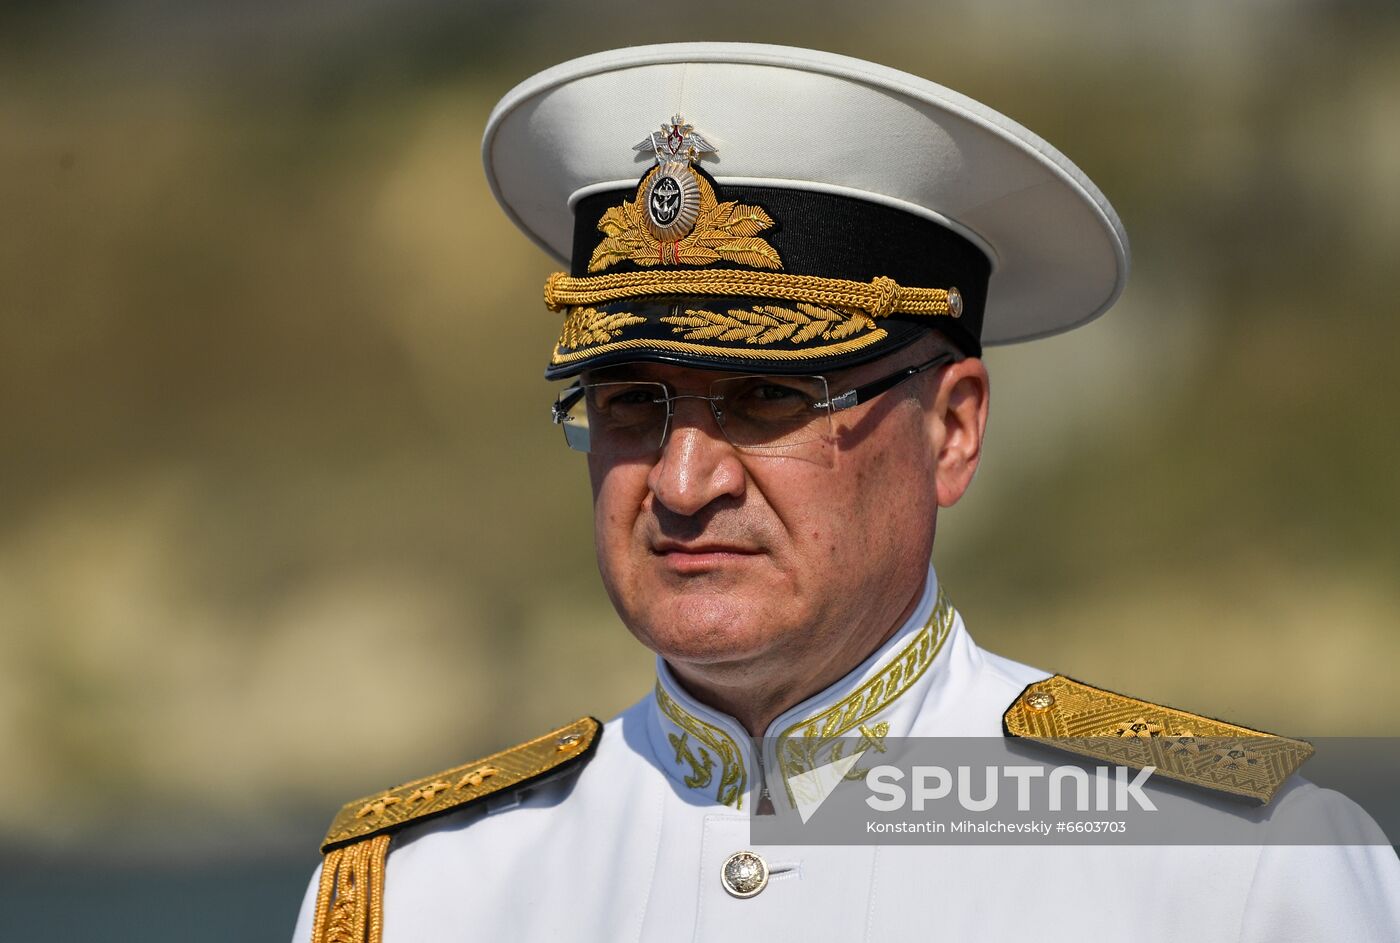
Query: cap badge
[[672, 199], [675, 218]]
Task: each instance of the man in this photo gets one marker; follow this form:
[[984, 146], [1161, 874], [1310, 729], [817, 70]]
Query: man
[[783, 267]]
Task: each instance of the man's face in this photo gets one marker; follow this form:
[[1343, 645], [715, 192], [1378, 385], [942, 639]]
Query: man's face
[[727, 563]]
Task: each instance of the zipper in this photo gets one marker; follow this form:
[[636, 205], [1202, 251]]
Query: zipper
[[765, 799]]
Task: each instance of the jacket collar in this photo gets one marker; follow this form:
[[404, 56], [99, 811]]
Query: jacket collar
[[711, 757]]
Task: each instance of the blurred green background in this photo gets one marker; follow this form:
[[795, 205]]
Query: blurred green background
[[282, 518]]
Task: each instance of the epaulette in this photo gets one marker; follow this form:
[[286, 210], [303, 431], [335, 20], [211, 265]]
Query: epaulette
[[350, 899], [1068, 715]]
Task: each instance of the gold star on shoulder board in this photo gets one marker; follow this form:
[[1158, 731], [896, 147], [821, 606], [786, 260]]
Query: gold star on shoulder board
[[1236, 756], [1183, 742], [1140, 728]]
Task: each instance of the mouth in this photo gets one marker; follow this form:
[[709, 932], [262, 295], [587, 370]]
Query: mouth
[[690, 558]]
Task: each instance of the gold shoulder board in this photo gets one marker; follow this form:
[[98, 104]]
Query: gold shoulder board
[[1069, 715], [350, 900], [451, 789]]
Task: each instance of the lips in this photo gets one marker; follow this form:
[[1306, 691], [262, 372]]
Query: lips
[[666, 547], [694, 559]]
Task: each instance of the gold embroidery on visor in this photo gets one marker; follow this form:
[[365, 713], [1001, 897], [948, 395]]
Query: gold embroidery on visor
[[584, 327], [769, 324], [588, 332], [754, 353]]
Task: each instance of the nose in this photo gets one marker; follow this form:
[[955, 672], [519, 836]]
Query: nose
[[697, 464]]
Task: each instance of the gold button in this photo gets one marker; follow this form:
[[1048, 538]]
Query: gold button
[[744, 874], [955, 302], [568, 742], [1040, 700]]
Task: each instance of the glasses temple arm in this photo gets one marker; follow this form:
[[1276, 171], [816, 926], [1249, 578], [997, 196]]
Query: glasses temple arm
[[564, 403], [869, 391]]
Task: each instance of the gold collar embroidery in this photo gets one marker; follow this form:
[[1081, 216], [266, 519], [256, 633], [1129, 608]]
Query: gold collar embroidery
[[808, 744], [701, 761], [707, 757]]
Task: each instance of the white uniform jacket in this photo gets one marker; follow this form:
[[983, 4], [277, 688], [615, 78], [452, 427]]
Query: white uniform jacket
[[630, 847]]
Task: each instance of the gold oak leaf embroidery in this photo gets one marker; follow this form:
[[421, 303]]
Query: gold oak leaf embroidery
[[768, 324], [731, 786], [586, 326], [723, 232], [871, 738]]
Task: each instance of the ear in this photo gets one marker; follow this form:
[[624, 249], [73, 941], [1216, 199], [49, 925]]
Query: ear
[[957, 423]]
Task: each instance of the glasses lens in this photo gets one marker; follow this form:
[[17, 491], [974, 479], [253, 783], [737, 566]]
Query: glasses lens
[[773, 411], [613, 418]]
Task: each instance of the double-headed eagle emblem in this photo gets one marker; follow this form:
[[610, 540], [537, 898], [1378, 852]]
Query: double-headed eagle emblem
[[675, 141]]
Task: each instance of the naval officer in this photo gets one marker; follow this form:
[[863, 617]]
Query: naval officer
[[782, 268]]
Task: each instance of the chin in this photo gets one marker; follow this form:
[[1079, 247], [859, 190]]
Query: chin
[[704, 628]]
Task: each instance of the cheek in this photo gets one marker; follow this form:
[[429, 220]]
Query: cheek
[[598, 472], [619, 492], [827, 517], [886, 500]]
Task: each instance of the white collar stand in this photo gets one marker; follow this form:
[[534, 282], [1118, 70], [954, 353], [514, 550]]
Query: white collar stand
[[709, 754]]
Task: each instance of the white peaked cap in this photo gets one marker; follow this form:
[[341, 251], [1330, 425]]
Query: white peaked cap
[[781, 117]]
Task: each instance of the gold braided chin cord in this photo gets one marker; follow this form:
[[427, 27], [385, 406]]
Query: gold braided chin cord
[[880, 297], [350, 898]]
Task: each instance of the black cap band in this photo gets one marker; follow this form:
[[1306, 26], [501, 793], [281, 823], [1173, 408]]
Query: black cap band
[[835, 236]]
